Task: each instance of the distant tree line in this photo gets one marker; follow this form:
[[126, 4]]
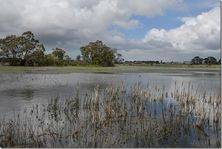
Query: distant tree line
[[195, 61], [144, 62], [209, 60], [26, 50]]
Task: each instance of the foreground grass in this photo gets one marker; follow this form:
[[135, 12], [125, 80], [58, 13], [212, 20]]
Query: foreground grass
[[117, 117], [116, 69]]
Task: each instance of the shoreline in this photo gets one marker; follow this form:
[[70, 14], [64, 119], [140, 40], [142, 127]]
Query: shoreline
[[215, 69]]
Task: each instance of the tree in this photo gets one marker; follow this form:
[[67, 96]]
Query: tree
[[210, 60], [197, 60], [219, 62], [59, 53], [17, 49], [37, 58], [50, 60], [9, 49], [98, 53], [29, 44]]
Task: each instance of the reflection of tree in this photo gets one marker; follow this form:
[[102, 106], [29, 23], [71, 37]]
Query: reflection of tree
[[28, 94]]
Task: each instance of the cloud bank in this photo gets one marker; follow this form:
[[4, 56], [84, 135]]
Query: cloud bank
[[71, 23]]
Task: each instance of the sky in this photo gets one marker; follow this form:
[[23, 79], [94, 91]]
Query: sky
[[168, 30]]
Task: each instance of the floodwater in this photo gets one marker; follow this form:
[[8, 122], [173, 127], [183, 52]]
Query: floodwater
[[19, 90]]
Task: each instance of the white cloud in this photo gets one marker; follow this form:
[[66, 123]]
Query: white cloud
[[148, 7], [91, 16], [71, 23], [197, 33]]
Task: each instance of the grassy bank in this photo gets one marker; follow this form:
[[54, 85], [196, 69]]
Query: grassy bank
[[117, 69]]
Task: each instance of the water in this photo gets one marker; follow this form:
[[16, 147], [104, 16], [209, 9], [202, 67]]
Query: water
[[19, 90], [25, 97]]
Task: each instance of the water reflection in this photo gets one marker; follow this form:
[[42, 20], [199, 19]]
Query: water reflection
[[25, 94], [18, 90]]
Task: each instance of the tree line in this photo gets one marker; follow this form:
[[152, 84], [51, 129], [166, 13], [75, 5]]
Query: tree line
[[26, 50], [208, 60]]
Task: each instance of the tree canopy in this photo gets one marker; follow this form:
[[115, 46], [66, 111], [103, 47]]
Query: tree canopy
[[209, 60], [97, 53], [26, 50], [19, 49], [197, 60], [59, 53]]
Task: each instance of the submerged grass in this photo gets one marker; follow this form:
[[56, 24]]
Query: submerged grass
[[118, 116]]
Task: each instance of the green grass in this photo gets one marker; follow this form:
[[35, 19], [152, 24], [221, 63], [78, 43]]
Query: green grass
[[117, 69]]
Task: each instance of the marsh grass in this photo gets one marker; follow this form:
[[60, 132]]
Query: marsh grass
[[119, 117]]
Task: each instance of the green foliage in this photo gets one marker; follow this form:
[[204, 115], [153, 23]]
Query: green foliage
[[49, 60], [209, 60], [59, 53], [37, 58], [26, 50], [97, 53], [197, 60], [21, 50], [9, 47], [30, 45]]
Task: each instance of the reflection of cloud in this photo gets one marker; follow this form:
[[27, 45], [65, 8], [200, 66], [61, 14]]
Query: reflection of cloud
[[196, 83]]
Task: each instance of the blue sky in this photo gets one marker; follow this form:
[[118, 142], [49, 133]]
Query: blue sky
[[139, 29], [170, 19]]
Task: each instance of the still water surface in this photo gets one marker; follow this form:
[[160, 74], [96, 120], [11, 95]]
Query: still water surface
[[19, 90]]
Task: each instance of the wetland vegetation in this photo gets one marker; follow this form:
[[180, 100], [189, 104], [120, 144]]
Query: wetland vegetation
[[110, 74], [172, 111], [98, 100], [117, 117]]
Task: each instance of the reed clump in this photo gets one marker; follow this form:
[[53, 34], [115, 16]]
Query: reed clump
[[117, 116]]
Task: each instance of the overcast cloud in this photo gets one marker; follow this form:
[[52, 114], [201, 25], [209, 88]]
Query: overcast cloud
[[72, 23]]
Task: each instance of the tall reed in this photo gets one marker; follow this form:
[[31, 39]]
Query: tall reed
[[118, 116]]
